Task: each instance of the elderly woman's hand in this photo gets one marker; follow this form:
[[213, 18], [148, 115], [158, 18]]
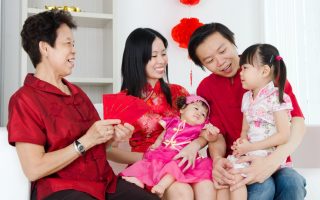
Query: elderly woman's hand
[[123, 132], [100, 132]]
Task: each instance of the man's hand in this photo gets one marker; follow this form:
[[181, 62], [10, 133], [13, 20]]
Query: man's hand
[[221, 175], [259, 170]]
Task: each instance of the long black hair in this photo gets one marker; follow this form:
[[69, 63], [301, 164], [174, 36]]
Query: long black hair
[[269, 55], [136, 55]]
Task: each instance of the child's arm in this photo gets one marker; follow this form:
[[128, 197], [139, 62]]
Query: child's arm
[[280, 137]]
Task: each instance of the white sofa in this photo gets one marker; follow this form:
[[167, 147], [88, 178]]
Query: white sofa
[[15, 186]]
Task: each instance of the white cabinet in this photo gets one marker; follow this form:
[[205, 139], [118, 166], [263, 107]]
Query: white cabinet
[[94, 68]]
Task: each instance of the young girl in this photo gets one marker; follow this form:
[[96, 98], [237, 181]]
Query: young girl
[[159, 169], [266, 108]]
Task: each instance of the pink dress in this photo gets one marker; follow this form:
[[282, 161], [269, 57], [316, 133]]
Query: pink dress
[[157, 163]]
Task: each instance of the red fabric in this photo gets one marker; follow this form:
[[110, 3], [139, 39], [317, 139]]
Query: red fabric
[[40, 113], [147, 128], [224, 96]]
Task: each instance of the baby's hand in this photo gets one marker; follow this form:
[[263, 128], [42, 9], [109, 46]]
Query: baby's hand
[[210, 132]]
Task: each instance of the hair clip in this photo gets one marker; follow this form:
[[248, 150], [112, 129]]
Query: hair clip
[[271, 59], [278, 58]]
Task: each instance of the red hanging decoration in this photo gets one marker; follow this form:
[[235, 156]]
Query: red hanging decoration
[[190, 2], [182, 32]]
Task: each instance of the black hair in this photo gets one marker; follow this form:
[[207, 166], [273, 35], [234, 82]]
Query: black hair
[[268, 54], [136, 55], [202, 33], [43, 27], [182, 103]]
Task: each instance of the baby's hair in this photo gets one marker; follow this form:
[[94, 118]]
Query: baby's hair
[[268, 55], [182, 103]]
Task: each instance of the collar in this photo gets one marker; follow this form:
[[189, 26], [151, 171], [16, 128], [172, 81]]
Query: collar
[[44, 86]]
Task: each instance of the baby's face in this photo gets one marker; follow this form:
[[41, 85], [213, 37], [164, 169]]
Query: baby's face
[[194, 113]]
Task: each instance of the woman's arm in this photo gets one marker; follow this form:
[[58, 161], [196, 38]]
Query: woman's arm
[[123, 156], [36, 163], [262, 168]]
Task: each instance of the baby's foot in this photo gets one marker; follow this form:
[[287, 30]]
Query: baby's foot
[[133, 180], [158, 190]]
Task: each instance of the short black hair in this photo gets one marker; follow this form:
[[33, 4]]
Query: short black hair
[[202, 33], [43, 27]]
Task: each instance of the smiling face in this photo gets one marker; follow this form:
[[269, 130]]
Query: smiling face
[[156, 66], [218, 55], [60, 58], [194, 113]]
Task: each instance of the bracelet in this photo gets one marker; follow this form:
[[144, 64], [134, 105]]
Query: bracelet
[[79, 147]]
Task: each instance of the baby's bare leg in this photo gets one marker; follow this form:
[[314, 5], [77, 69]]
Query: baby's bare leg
[[163, 184], [133, 180]]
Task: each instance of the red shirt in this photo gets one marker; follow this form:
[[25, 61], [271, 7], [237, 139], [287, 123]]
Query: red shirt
[[39, 113], [224, 96], [147, 128]]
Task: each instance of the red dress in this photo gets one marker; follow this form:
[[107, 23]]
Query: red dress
[[147, 128], [39, 113]]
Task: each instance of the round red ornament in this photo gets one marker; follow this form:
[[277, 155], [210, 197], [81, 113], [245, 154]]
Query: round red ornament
[[190, 2], [182, 32]]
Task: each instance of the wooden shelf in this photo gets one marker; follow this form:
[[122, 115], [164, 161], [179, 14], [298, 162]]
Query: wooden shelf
[[90, 81], [86, 19]]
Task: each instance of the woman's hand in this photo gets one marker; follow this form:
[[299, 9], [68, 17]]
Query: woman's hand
[[123, 132], [188, 154], [259, 170], [100, 132]]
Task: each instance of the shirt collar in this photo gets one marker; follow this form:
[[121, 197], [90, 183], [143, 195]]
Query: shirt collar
[[38, 84]]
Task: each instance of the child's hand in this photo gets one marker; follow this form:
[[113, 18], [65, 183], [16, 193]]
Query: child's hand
[[210, 132], [241, 146]]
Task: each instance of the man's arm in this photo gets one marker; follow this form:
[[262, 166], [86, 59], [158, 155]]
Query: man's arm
[[262, 168]]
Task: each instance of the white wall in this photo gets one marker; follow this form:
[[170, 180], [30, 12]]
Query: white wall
[[244, 18]]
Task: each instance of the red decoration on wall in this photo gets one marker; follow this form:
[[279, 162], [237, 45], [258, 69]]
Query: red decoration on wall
[[182, 32], [190, 2]]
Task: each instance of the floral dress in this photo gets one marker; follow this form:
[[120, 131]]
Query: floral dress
[[259, 115]]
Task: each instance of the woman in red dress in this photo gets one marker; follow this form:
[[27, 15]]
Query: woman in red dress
[[144, 72]]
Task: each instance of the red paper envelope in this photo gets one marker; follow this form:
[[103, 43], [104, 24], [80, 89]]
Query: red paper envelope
[[124, 107]]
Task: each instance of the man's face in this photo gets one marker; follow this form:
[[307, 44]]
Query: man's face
[[218, 55]]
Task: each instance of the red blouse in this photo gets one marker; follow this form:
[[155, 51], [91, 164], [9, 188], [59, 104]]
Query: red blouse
[[39, 113], [147, 128], [224, 96]]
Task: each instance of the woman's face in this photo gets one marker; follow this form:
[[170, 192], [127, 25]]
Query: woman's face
[[218, 55], [155, 68], [61, 57], [194, 113]]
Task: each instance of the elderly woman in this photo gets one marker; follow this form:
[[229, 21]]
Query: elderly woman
[[56, 130]]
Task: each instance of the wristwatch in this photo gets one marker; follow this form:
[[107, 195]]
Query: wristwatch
[[79, 147]]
